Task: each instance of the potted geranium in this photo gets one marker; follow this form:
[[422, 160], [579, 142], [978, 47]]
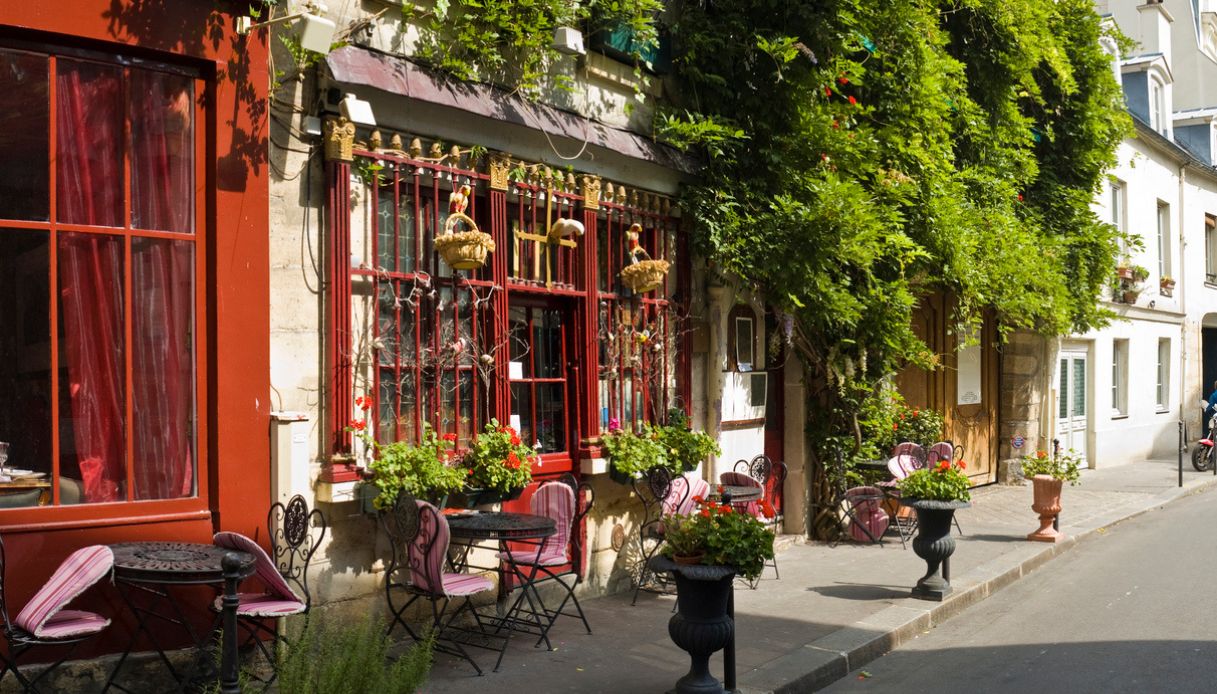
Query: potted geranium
[[498, 465], [704, 551], [935, 493], [632, 454], [1048, 474], [1166, 285], [425, 470]]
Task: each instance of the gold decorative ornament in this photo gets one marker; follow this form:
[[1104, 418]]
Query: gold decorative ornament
[[642, 274], [463, 250], [500, 171], [339, 140], [591, 192], [376, 141], [395, 142], [556, 235], [437, 152], [416, 148]]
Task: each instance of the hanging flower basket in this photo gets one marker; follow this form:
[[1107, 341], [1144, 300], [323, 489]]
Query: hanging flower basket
[[465, 250], [645, 275]]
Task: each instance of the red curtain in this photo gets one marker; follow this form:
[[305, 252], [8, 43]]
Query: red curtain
[[90, 132]]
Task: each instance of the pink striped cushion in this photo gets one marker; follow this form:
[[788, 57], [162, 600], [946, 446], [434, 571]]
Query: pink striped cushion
[[428, 550], [263, 605], [697, 488], [529, 557], [75, 575], [676, 494], [739, 479], [458, 585], [265, 569], [939, 452], [555, 500], [869, 513], [68, 623]]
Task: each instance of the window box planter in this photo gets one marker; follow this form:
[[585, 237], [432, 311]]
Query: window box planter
[[1166, 287], [1130, 296], [1124, 273]]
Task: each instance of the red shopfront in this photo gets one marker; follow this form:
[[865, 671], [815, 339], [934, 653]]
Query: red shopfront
[[134, 364], [543, 337]]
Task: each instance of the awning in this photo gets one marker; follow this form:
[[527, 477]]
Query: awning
[[396, 75]]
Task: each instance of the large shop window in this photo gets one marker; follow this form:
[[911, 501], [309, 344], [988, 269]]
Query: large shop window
[[98, 242]]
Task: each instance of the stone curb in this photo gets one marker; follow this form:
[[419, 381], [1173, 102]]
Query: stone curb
[[829, 658]]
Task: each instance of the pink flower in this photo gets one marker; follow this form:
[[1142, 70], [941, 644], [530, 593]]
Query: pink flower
[[614, 424]]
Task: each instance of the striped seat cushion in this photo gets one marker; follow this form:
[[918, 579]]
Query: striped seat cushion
[[529, 557], [74, 576], [265, 569], [69, 623], [459, 585], [739, 479], [263, 605]]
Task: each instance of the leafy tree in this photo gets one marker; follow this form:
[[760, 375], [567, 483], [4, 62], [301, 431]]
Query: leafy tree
[[863, 155]]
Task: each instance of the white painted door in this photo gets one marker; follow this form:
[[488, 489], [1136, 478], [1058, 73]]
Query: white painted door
[[1071, 421]]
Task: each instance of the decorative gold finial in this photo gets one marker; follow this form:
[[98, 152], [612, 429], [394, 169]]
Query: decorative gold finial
[[339, 140], [591, 192], [454, 157], [416, 148], [500, 171], [376, 141], [437, 152], [609, 192], [395, 142]]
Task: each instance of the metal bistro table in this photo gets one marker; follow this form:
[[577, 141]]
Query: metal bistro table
[[469, 528], [739, 494], [151, 569]]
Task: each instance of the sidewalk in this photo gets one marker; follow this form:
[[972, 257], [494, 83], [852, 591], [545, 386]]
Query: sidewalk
[[834, 608]]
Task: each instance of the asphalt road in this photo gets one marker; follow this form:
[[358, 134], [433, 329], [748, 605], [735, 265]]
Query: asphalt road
[[1131, 610]]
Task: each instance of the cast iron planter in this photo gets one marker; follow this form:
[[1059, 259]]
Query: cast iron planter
[[934, 544], [1047, 504], [701, 625]]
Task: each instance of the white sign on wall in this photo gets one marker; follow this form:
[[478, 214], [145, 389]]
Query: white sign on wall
[[967, 383]]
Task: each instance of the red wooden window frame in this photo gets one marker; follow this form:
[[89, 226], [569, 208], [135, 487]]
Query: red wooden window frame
[[128, 509]]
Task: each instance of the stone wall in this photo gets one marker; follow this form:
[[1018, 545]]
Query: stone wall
[[1026, 367]]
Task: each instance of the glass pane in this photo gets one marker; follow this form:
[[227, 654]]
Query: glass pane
[[1079, 387], [89, 129], [385, 253], [92, 393], [162, 368], [386, 414], [1062, 394], [407, 235], [386, 325], [25, 131], [25, 363], [551, 417], [162, 151], [465, 422], [547, 344], [521, 406], [602, 247], [447, 390], [518, 342]]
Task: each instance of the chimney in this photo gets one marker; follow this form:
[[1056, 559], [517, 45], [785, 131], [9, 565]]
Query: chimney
[[1155, 29]]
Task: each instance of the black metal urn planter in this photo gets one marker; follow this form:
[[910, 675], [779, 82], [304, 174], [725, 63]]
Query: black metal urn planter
[[701, 625], [934, 544]]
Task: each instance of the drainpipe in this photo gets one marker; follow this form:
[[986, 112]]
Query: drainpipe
[[1182, 285]]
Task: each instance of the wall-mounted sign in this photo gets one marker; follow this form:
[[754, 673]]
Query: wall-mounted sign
[[1016, 442], [967, 382]]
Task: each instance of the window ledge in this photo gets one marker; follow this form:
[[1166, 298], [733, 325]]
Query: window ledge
[[1162, 410], [1121, 415]]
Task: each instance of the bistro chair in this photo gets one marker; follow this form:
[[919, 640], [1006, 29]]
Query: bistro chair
[[771, 477], [661, 496], [295, 534], [563, 501], [44, 622], [742, 479], [419, 536]]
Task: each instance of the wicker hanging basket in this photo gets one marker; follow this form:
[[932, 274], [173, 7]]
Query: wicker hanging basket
[[464, 250], [645, 275]]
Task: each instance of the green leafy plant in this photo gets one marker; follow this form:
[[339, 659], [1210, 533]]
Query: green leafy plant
[[329, 658], [633, 454], [1140, 273], [922, 426], [1062, 466], [943, 482], [498, 459], [685, 447], [722, 536], [426, 470]]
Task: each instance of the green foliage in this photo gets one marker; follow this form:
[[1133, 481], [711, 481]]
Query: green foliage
[[331, 659], [498, 459], [943, 482], [633, 454], [724, 537], [1064, 466], [424, 471], [862, 156], [509, 42], [684, 447]]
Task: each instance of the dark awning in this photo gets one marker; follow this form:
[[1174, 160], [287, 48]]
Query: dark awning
[[396, 75]]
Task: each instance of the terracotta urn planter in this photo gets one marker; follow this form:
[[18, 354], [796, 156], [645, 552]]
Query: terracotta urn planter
[[1047, 504], [934, 544], [701, 625]]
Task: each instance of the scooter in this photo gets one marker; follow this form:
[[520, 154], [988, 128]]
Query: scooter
[[1203, 457]]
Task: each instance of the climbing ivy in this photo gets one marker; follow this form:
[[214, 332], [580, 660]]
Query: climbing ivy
[[864, 155], [508, 42]]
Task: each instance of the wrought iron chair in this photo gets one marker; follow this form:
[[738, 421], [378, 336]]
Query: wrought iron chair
[[907, 457], [661, 496], [946, 450], [772, 478], [44, 622], [419, 536], [563, 500], [295, 534], [735, 478]]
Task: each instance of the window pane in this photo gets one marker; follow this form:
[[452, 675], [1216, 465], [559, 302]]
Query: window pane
[[162, 151], [92, 358], [521, 406], [406, 235], [25, 363], [385, 253], [162, 368], [551, 416], [1079, 387], [1063, 391], [89, 129], [24, 137]]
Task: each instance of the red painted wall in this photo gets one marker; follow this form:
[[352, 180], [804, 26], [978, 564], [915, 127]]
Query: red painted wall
[[234, 404]]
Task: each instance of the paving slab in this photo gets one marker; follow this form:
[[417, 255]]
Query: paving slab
[[833, 609]]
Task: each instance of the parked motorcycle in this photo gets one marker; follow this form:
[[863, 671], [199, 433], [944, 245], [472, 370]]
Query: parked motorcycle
[[1203, 457]]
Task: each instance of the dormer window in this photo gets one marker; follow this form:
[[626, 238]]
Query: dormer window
[[1157, 105]]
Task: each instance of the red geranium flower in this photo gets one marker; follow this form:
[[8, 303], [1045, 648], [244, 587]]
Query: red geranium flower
[[963, 465], [944, 466], [853, 101], [358, 424], [842, 80], [450, 437], [767, 509], [724, 510], [513, 460], [705, 513], [698, 498], [720, 489], [828, 91], [515, 440]]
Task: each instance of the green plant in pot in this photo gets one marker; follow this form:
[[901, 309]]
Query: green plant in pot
[[497, 466], [631, 454], [717, 535], [425, 470], [935, 493], [1048, 474], [684, 447]]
